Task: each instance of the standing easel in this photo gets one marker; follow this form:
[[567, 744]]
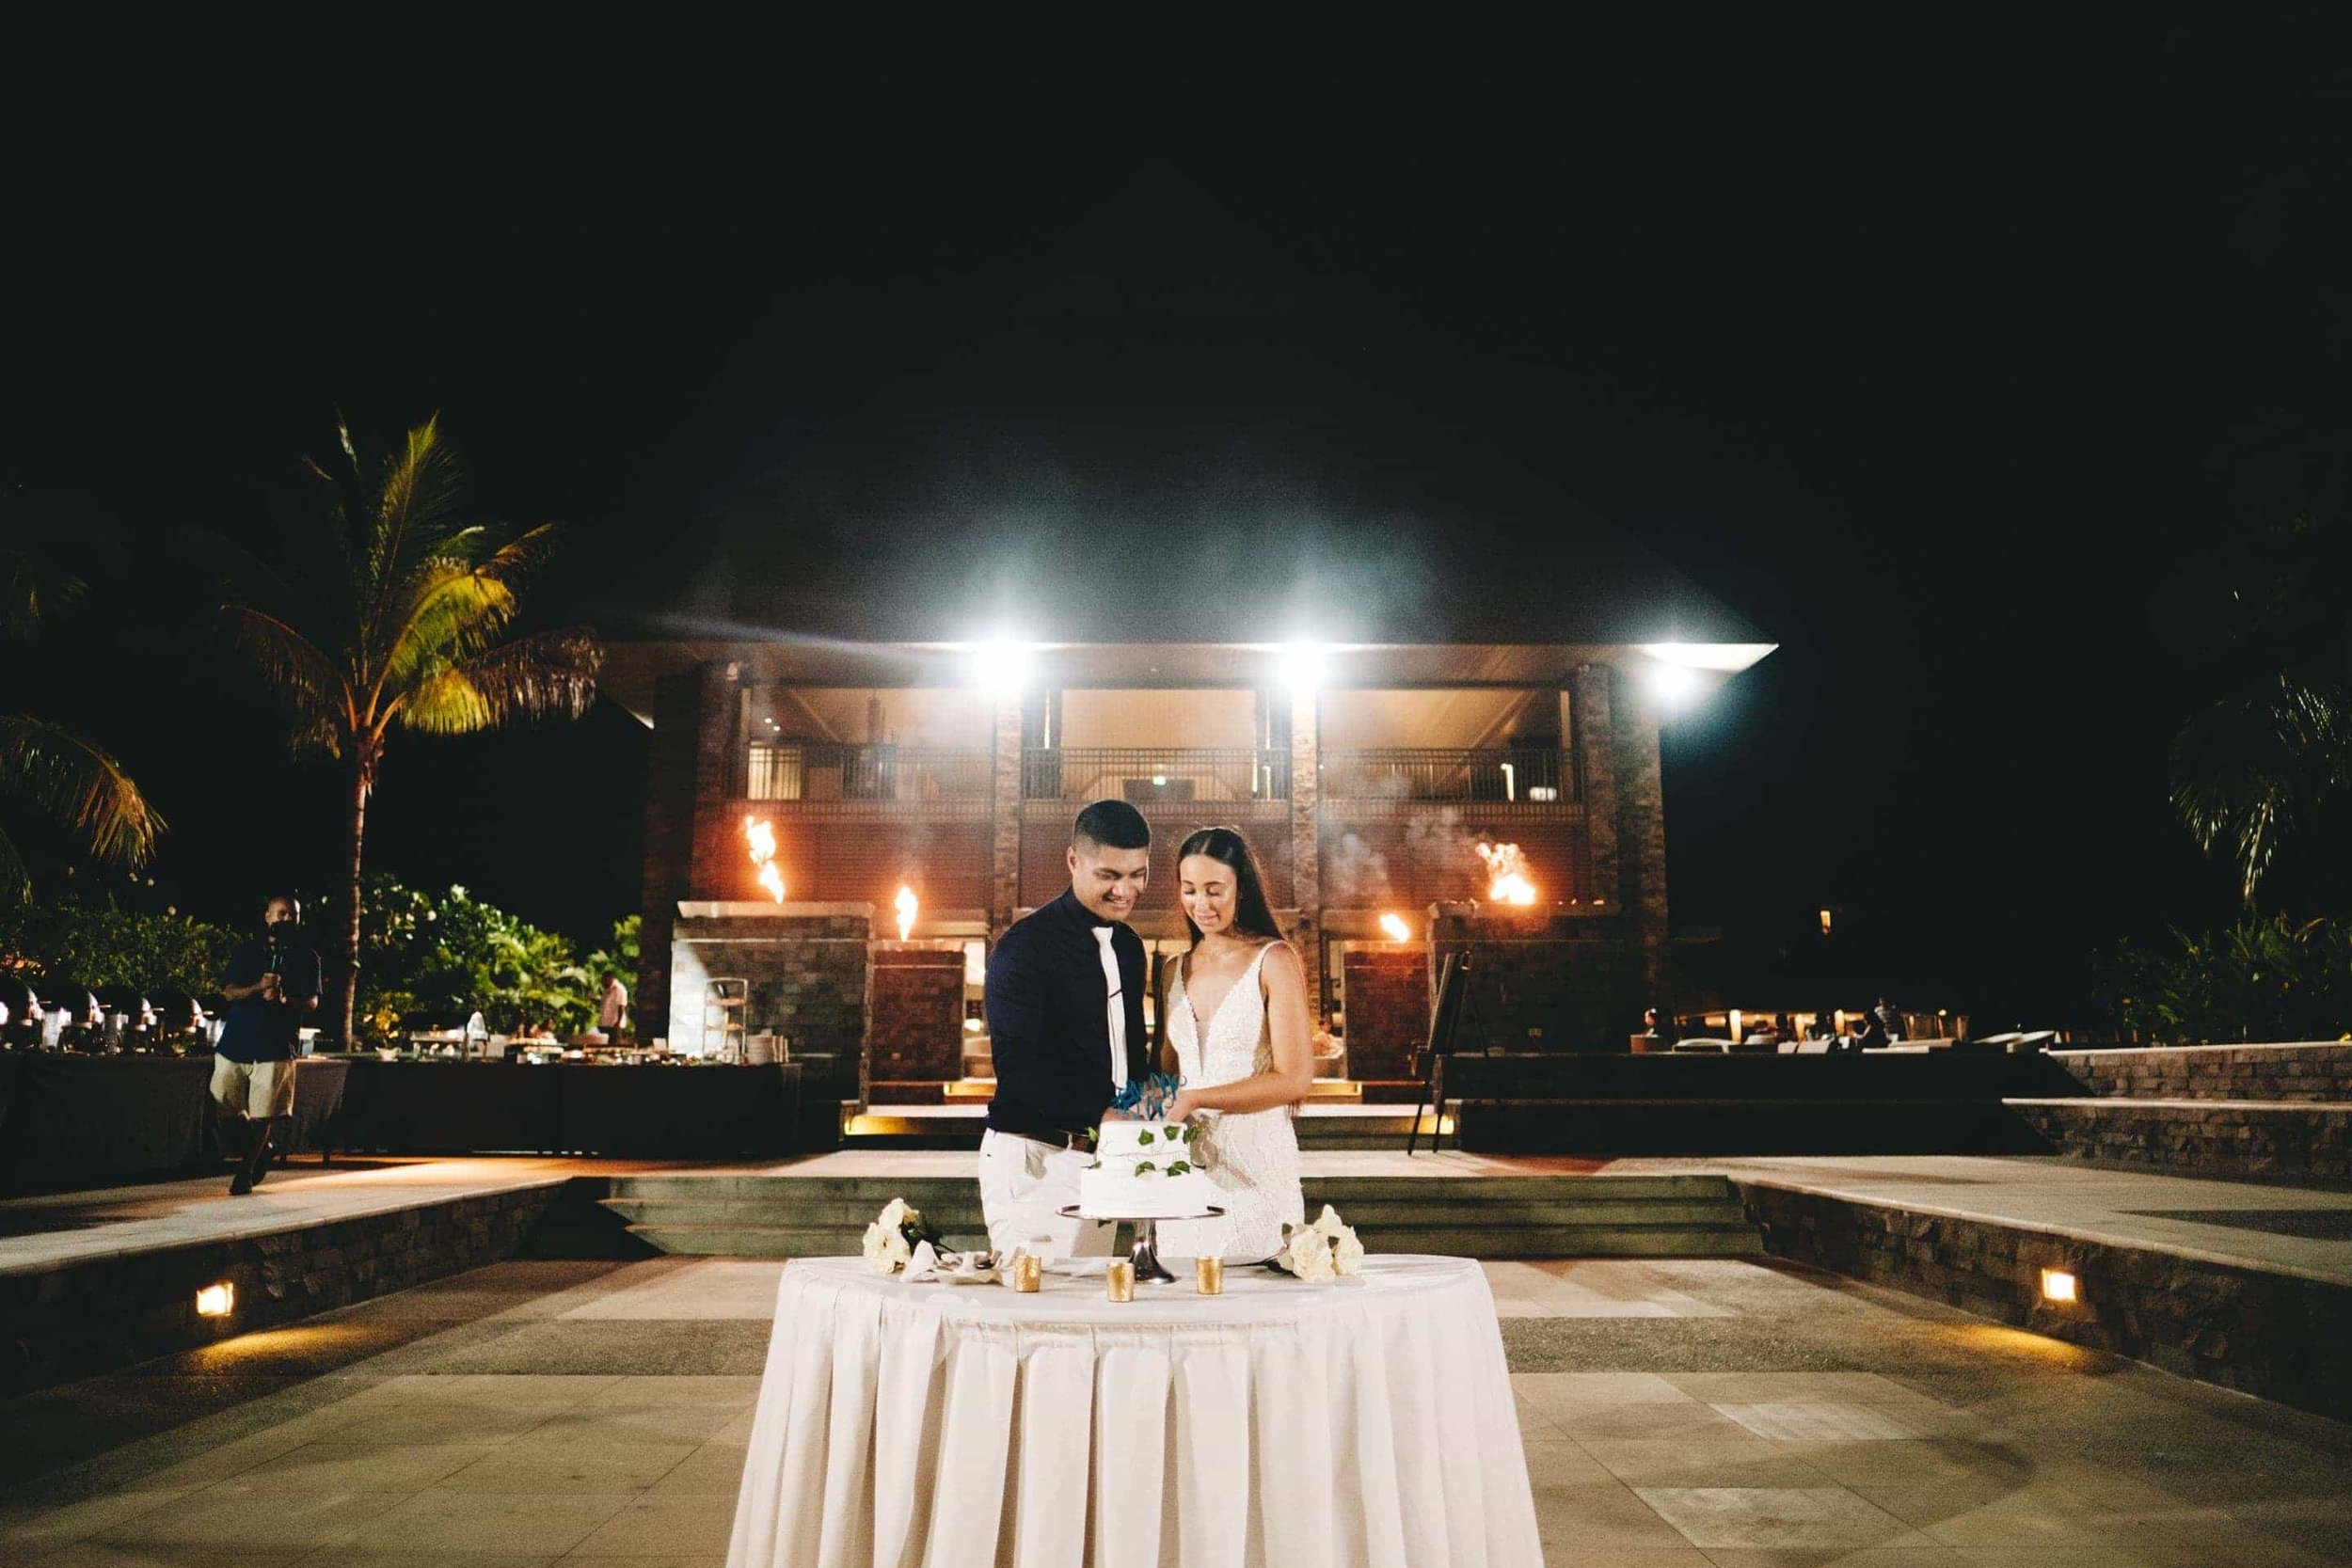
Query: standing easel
[[1445, 1024]]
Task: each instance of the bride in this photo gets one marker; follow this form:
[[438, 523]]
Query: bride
[[1237, 1025]]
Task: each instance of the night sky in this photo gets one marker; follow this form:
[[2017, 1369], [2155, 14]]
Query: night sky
[[1937, 359]]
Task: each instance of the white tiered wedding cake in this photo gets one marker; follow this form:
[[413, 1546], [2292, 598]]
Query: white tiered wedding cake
[[1143, 1170]]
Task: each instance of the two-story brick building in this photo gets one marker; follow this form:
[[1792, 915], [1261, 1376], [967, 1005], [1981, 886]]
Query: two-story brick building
[[1170, 533]]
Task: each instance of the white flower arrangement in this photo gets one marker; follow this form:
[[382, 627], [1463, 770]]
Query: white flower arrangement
[[1325, 1250], [891, 1240]]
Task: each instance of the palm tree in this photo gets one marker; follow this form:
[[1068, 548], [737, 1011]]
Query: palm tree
[[390, 612], [2266, 758], [65, 777]]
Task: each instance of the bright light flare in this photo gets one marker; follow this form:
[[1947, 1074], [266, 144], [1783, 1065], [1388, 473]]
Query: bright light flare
[[760, 835], [1506, 875], [216, 1301], [1002, 666], [2058, 1285], [905, 904], [1303, 666], [1677, 686], [1393, 927]]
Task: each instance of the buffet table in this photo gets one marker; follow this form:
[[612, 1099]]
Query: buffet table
[[1364, 1421], [69, 1121]]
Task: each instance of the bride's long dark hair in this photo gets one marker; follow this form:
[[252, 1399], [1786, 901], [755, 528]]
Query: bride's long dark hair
[[1252, 915]]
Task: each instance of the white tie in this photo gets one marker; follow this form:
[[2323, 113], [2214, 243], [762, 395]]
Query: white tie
[[1118, 1010]]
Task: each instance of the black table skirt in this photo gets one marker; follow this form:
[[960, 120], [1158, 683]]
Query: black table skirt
[[101, 1121], [675, 1112]]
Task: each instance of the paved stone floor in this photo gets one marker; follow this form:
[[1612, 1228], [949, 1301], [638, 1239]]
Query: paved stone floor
[[1676, 1415]]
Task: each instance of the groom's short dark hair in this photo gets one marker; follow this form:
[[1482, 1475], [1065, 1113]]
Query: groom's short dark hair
[[1111, 825]]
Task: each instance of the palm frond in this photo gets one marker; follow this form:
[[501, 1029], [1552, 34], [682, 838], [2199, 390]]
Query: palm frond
[[415, 505], [80, 785], [300, 672], [453, 613], [16, 879], [547, 674], [2249, 769], [33, 591]]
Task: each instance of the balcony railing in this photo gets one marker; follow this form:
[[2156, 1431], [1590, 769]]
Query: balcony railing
[[1145, 774], [1413, 773], [825, 771]]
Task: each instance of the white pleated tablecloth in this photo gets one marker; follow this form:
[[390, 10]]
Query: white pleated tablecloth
[[1366, 1421]]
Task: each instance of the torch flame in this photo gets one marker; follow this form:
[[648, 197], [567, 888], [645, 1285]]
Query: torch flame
[[1506, 874], [761, 834], [1393, 927], [905, 905]]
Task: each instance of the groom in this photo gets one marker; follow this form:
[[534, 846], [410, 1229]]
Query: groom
[[1065, 1019]]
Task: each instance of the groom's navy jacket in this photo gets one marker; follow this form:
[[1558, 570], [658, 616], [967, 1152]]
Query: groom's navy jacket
[[1049, 1032]]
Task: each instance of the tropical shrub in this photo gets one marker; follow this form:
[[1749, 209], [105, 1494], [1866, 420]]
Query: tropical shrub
[[2260, 979]]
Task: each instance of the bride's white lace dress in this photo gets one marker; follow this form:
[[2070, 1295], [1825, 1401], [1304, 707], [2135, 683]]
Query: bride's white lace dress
[[1252, 1157]]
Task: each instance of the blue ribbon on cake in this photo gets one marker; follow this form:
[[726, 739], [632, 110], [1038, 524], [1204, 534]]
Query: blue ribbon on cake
[[1148, 1098]]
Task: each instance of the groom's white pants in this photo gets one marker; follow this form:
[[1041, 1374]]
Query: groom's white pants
[[1023, 1185]]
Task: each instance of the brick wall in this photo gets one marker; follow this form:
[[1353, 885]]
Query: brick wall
[[1541, 981], [2227, 1138], [2275, 1335], [1388, 1010], [2320, 1070], [808, 973], [87, 1316], [917, 1028]]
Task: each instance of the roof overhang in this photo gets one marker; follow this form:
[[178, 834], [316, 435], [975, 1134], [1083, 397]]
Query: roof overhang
[[631, 669]]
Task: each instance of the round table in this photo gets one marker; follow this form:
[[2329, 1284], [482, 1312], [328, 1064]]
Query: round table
[[1364, 1421]]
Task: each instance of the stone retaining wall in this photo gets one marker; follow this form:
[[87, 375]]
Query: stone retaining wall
[[2279, 1335], [94, 1315], [2320, 1070], [2203, 1137]]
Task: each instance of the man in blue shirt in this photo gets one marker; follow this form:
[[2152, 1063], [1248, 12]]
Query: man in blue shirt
[[272, 984]]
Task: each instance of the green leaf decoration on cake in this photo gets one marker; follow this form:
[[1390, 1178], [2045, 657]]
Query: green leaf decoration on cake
[[1143, 1134], [1142, 1165], [1173, 1133], [1178, 1168], [1189, 1131]]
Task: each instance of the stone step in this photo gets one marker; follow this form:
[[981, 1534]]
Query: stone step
[[1422, 1212], [1497, 1216], [1560, 1240], [917, 1189]]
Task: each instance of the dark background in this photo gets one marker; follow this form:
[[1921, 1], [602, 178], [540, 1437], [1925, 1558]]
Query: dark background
[[1935, 356]]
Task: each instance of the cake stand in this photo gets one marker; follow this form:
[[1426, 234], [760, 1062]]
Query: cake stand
[[1144, 1254]]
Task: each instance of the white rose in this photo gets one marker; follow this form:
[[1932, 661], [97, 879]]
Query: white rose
[[1310, 1256], [1347, 1254], [1327, 1223], [878, 1238], [895, 1213]]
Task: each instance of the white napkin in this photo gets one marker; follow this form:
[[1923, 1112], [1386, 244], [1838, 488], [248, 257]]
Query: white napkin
[[924, 1264]]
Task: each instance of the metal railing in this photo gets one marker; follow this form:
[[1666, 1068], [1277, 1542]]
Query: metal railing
[[1423, 773], [1144, 774], [828, 771]]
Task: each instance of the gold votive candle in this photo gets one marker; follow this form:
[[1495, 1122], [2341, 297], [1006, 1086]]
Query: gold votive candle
[[1209, 1276], [1028, 1271], [1120, 1280]]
